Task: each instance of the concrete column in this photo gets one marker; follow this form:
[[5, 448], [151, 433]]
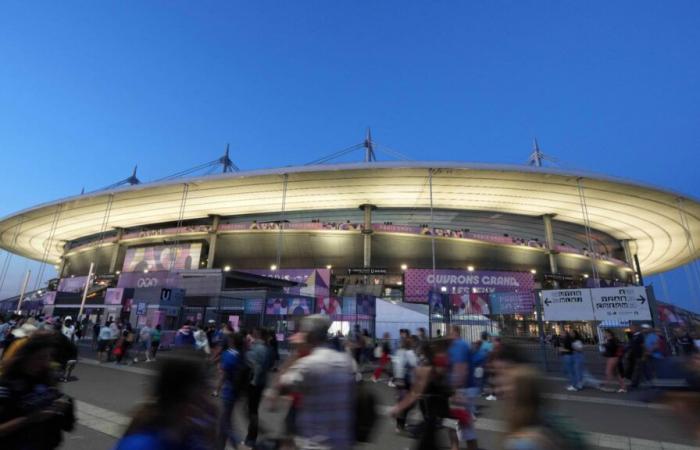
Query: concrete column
[[367, 235], [115, 251], [549, 242], [629, 256], [61, 267], [213, 235]]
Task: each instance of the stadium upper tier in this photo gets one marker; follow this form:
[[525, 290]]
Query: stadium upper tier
[[657, 222]]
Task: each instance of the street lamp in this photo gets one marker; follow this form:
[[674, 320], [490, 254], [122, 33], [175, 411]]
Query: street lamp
[[227, 268], [470, 268], [404, 266], [533, 271], [329, 267], [273, 267]]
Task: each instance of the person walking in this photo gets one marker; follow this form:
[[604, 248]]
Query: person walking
[[571, 361], [325, 382], [103, 343], [96, 334], [232, 380], [384, 356], [431, 388], [179, 414], [34, 413], [612, 353], [155, 341], [144, 343], [260, 359], [405, 363], [461, 372], [578, 358], [185, 336]]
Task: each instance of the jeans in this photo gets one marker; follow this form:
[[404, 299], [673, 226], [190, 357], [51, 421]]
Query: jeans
[[578, 369], [569, 368], [226, 431]]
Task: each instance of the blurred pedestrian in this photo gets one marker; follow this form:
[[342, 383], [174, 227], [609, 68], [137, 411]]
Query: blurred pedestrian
[[431, 387], [260, 359], [179, 414], [613, 352], [461, 371], [104, 343], [155, 341], [325, 380], [144, 343], [185, 336], [233, 380], [405, 363], [384, 357], [34, 413]]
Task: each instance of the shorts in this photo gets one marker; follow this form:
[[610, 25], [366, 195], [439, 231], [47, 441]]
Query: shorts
[[144, 346], [102, 345], [468, 433]]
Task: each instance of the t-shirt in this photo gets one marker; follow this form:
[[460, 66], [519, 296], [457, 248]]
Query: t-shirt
[[651, 342], [105, 333], [230, 363], [145, 334], [155, 335], [460, 353]]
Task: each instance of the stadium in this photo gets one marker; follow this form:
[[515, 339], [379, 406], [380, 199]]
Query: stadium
[[234, 244]]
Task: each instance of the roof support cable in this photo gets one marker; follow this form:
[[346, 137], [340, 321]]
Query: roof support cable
[[396, 154], [105, 217], [9, 255], [335, 155], [587, 229], [180, 217], [280, 239], [47, 249], [692, 268]]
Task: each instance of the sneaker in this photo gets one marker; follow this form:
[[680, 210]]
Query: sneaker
[[391, 384], [374, 380], [571, 388], [621, 391], [491, 397], [136, 360]]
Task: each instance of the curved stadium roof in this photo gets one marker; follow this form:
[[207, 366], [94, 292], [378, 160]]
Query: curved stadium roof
[[625, 210]]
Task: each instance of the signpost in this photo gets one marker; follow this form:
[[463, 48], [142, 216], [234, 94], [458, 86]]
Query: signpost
[[567, 305], [621, 303], [618, 303]]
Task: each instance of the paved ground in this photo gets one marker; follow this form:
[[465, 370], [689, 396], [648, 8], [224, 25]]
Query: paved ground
[[107, 393]]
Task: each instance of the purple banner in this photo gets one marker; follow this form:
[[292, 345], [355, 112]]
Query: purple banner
[[73, 284], [418, 282], [317, 281], [161, 279]]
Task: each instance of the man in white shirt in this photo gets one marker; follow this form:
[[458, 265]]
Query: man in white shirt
[[103, 343]]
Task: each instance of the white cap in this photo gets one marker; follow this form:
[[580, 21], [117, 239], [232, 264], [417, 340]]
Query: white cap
[[68, 318]]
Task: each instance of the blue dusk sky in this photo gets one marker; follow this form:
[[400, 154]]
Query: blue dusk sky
[[89, 89]]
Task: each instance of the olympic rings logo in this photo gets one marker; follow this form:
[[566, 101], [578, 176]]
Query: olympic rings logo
[[147, 282]]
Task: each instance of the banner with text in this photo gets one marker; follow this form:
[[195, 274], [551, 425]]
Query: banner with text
[[419, 282]]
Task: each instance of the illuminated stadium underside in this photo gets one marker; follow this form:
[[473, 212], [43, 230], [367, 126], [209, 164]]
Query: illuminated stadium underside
[[487, 216]]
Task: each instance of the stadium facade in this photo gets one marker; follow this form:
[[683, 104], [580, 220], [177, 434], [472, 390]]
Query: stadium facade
[[393, 230]]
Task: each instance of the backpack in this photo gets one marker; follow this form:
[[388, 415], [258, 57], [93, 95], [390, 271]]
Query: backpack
[[365, 412]]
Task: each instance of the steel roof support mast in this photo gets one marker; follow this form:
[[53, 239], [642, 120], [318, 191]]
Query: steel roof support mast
[[369, 147]]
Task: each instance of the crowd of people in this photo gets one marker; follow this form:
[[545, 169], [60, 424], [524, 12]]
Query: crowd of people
[[320, 388]]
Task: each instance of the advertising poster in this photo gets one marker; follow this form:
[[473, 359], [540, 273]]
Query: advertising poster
[[567, 305], [504, 303], [330, 306], [114, 296], [276, 307], [419, 282], [621, 303], [470, 304], [366, 306], [253, 305], [439, 303], [316, 281], [163, 257], [300, 306], [72, 284]]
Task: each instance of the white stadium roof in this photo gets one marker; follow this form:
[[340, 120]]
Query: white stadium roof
[[649, 216]]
